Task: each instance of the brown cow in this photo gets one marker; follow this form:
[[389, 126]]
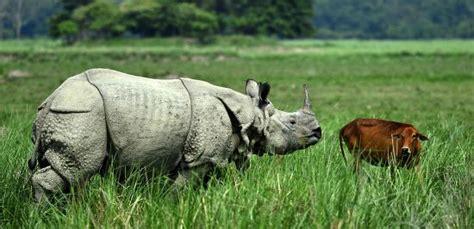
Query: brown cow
[[382, 142]]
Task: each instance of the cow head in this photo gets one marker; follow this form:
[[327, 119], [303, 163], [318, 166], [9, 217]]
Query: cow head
[[408, 139], [282, 132]]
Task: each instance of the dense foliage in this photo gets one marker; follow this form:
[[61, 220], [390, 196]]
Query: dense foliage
[[285, 19], [197, 19], [394, 19], [25, 18], [167, 18], [399, 19]]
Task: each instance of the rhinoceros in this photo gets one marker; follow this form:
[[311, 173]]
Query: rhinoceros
[[180, 127]]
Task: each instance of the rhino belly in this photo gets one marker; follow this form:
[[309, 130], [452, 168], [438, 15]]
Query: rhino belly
[[148, 119]]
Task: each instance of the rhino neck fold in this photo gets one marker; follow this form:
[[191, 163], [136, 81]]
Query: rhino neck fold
[[217, 115]]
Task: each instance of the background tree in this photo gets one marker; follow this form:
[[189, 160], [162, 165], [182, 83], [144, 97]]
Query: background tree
[[379, 19], [3, 16], [285, 19], [195, 22], [395, 19], [36, 14], [141, 16], [68, 7], [169, 18], [18, 18], [25, 17], [69, 31], [99, 19]]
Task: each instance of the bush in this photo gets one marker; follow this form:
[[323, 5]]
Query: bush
[[68, 30], [196, 23], [186, 18], [172, 19], [141, 16], [99, 19]]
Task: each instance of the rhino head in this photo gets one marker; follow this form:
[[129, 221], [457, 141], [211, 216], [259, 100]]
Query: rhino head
[[280, 132]]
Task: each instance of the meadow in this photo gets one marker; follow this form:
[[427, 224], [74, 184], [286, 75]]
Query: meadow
[[427, 83]]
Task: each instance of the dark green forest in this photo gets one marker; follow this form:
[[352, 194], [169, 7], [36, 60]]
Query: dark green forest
[[74, 20], [394, 19]]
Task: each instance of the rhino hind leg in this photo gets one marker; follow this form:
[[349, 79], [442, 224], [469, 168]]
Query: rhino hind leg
[[45, 182], [74, 146]]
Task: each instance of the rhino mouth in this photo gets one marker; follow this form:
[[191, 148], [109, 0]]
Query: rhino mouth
[[312, 140], [259, 148]]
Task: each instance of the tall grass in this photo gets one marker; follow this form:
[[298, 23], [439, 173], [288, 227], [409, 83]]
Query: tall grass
[[310, 188]]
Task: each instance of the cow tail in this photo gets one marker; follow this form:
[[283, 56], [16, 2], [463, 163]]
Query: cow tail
[[341, 132]]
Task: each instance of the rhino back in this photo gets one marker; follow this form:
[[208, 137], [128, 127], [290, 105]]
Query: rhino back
[[148, 119], [75, 95]]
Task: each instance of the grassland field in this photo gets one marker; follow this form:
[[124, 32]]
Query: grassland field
[[427, 83]]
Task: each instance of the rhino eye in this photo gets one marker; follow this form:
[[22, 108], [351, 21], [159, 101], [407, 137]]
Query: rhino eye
[[293, 122]]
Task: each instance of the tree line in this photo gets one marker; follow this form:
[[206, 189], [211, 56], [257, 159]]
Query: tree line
[[201, 19], [74, 20], [394, 19], [27, 18]]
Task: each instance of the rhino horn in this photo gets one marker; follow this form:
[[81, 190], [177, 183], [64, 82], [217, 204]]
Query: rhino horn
[[307, 103]]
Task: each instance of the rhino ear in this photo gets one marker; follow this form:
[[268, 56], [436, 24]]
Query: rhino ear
[[252, 88], [263, 92]]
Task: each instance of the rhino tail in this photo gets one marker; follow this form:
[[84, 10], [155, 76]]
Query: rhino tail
[[34, 157], [341, 146], [43, 110]]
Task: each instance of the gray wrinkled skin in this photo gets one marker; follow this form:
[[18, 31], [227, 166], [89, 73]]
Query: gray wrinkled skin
[[181, 128]]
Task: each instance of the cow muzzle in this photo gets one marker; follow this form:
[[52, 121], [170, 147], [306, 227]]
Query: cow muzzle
[[405, 152]]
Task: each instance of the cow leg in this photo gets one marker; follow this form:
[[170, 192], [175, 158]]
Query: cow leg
[[46, 181], [354, 149]]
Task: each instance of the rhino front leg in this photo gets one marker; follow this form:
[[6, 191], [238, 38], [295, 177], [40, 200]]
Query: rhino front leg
[[242, 163], [193, 176], [46, 181]]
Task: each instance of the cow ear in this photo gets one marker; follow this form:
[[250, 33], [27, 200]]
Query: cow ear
[[252, 88], [422, 137]]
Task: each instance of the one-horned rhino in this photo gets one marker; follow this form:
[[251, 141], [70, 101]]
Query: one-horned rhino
[[179, 127]]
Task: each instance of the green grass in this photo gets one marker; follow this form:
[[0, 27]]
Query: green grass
[[427, 83], [245, 47]]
